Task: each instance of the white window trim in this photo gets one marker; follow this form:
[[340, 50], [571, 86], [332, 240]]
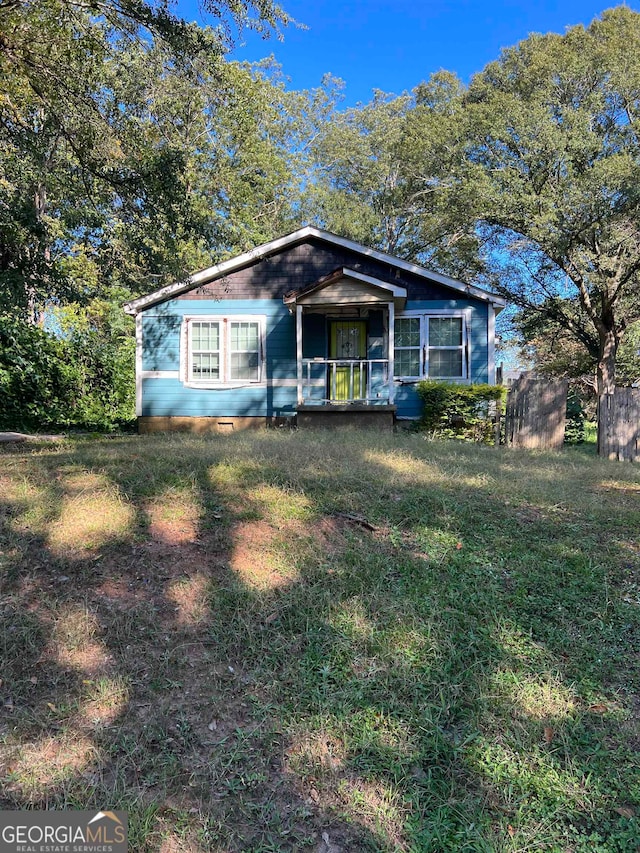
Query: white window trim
[[225, 321], [465, 313]]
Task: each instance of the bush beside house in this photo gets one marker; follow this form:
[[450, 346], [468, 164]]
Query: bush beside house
[[459, 411]]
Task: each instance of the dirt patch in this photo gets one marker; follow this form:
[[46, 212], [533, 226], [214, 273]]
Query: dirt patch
[[528, 514], [189, 596], [92, 659], [173, 531], [263, 556], [256, 558], [328, 534]]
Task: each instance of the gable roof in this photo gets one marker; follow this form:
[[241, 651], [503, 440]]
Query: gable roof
[[274, 246], [341, 274]]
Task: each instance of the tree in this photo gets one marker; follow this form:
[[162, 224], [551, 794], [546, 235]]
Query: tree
[[553, 151], [233, 132], [357, 163], [382, 172], [552, 350], [77, 159], [130, 154]]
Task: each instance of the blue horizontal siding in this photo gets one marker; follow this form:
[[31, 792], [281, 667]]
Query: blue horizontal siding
[[161, 330], [163, 397], [160, 343], [161, 352], [407, 402]]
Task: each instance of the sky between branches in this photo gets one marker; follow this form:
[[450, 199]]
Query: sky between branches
[[393, 45]]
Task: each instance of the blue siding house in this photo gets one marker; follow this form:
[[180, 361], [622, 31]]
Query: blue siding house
[[310, 327]]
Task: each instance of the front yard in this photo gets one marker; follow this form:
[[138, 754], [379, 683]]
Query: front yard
[[288, 641]]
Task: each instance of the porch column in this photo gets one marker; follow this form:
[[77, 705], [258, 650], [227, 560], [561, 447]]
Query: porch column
[[299, 351], [391, 336]]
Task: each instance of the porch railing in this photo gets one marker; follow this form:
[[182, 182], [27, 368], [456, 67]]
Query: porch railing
[[342, 380]]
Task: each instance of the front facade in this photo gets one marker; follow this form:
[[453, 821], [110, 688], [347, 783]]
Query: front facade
[[307, 325]]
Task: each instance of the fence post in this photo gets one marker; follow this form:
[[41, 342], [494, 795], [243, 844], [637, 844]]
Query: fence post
[[497, 423]]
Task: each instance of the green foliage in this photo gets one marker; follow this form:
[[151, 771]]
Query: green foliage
[[382, 175], [575, 425], [81, 377], [130, 150], [459, 411], [552, 146], [628, 356], [100, 344], [36, 381]]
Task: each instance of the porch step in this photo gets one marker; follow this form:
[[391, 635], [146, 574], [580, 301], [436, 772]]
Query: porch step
[[335, 416]]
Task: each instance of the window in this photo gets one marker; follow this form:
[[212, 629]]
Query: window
[[431, 346], [244, 351], [445, 336], [205, 351], [224, 350], [407, 346]]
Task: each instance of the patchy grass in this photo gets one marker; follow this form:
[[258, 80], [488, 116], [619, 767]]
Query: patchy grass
[[294, 641]]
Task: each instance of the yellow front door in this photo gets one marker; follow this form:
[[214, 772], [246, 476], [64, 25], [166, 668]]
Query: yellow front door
[[348, 342]]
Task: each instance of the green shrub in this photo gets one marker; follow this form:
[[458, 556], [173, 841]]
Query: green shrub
[[81, 377], [36, 380], [459, 411], [575, 425], [100, 340]]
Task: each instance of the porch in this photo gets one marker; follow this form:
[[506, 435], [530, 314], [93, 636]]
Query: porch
[[345, 348]]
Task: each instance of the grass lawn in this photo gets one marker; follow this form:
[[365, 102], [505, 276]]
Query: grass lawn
[[296, 641]]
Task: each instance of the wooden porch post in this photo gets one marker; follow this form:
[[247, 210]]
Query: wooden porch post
[[391, 336], [299, 351]]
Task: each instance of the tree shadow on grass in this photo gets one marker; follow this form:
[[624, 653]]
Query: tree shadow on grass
[[244, 668]]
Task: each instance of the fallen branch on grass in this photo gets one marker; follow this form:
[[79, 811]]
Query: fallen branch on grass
[[356, 519]]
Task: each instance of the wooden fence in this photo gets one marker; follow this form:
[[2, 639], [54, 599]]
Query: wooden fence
[[536, 413], [619, 425]]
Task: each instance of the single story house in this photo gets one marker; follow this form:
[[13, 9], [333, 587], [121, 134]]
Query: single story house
[[311, 327]]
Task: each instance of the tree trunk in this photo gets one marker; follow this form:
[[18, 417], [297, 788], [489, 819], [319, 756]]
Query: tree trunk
[[34, 314], [606, 372]]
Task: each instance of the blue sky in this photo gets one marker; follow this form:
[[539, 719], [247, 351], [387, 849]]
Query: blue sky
[[393, 45]]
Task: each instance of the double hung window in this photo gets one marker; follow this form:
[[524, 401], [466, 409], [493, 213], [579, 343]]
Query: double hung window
[[431, 346], [224, 350], [205, 342], [408, 346], [244, 350]]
